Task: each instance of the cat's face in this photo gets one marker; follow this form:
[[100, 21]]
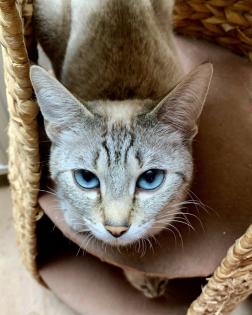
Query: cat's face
[[117, 174], [121, 168]]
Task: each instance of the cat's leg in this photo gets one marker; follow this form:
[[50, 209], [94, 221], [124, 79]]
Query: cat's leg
[[151, 287]]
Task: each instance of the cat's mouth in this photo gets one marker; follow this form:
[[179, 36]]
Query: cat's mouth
[[130, 235], [118, 236]]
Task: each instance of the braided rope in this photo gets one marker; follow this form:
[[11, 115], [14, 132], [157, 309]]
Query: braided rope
[[227, 22], [231, 282], [24, 166]]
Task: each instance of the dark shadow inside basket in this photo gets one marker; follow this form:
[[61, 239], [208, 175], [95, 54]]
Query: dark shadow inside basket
[[222, 182]]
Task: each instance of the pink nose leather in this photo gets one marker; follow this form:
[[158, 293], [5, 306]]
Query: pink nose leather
[[116, 231]]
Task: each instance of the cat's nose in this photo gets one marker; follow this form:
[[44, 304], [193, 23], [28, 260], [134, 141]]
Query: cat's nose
[[116, 231]]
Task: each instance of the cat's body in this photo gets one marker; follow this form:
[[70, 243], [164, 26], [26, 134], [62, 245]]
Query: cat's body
[[121, 159], [110, 42]]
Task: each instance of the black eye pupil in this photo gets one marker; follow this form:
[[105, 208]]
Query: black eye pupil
[[150, 179], [149, 176], [87, 176]]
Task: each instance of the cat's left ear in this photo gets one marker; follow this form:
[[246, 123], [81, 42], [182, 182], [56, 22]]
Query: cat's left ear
[[60, 109], [182, 107]]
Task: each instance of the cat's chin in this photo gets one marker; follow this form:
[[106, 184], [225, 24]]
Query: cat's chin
[[115, 242], [119, 242]]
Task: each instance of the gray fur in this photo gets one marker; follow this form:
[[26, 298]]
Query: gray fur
[[119, 59]]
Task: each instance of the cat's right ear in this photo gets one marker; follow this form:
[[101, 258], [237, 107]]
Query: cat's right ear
[[182, 107], [60, 109]]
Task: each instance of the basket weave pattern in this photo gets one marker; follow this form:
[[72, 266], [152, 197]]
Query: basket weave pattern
[[227, 22], [24, 166], [232, 281]]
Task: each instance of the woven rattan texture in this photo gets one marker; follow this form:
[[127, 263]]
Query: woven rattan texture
[[24, 166], [231, 282], [227, 22]]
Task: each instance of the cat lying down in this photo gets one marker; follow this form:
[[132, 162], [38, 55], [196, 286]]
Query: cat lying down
[[122, 120]]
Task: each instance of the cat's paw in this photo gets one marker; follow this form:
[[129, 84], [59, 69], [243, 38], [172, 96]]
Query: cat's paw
[[151, 287]]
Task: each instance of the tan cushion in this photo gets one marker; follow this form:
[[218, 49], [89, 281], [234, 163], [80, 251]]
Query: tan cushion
[[223, 177], [91, 287]]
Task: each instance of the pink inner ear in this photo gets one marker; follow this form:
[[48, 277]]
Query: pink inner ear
[[52, 132], [182, 107], [57, 105]]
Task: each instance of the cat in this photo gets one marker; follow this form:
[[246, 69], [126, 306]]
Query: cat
[[121, 117]]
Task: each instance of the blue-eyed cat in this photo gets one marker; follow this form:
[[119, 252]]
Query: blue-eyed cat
[[122, 127]]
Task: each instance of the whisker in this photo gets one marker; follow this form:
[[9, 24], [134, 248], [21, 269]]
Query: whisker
[[80, 247], [143, 247], [47, 191], [179, 234], [150, 244], [91, 236], [178, 221], [204, 206], [167, 228], [196, 217], [155, 240], [83, 232], [119, 248]]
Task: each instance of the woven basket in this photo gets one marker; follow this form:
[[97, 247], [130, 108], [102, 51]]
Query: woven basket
[[227, 22]]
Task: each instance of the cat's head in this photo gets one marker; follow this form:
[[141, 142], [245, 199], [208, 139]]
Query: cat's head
[[121, 168]]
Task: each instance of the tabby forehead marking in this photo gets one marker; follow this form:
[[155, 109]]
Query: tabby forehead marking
[[117, 143]]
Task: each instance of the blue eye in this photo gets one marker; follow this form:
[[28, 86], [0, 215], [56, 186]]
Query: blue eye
[[86, 179], [151, 179]]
